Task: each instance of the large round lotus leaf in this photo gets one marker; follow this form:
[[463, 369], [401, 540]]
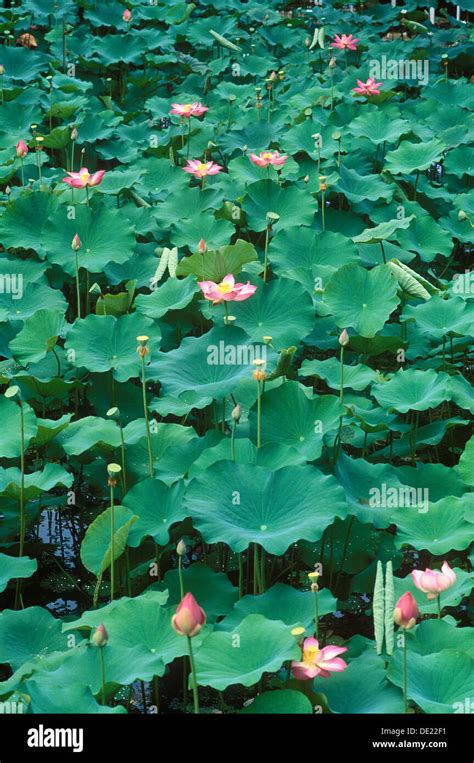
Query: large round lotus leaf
[[24, 219], [434, 635], [462, 392], [42, 689], [466, 463], [409, 157], [439, 527], [86, 433], [12, 567], [157, 507], [412, 390], [291, 417], [103, 343], [214, 265], [425, 237], [29, 633], [106, 236], [382, 232], [361, 688], [293, 205], [438, 683], [361, 299], [282, 702], [281, 602], [450, 598], [94, 617], [360, 479], [356, 377], [21, 65], [174, 294], [439, 317], [294, 248], [281, 309], [96, 547], [378, 127], [52, 475], [23, 302], [38, 336], [357, 188], [180, 405], [10, 431], [239, 504], [213, 590], [211, 364], [190, 231], [242, 656]]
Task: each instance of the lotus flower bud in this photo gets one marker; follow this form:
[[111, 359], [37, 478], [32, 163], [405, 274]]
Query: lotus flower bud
[[100, 636], [406, 611], [181, 548], [236, 413], [2, 70], [202, 246], [462, 215], [332, 63], [21, 149], [344, 338], [74, 134], [127, 16], [76, 243], [307, 41], [189, 617]]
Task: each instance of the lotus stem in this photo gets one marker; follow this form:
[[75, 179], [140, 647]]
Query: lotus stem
[[316, 613], [241, 576], [147, 423], [265, 261], [189, 138], [438, 601], [193, 677], [102, 673], [22, 171], [259, 414], [22, 497], [112, 542], [405, 700], [78, 287], [232, 440], [180, 576]]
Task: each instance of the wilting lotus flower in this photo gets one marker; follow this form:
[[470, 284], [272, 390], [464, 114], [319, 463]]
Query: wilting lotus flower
[[21, 149], [434, 582], [371, 87], [318, 662], [27, 41], [344, 42], [127, 16], [189, 617], [265, 158], [187, 110], [227, 290], [201, 169], [406, 611], [83, 178]]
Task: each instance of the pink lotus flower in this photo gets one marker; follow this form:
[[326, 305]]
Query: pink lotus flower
[[76, 243], [127, 16], [406, 611], [344, 42], [83, 178], [371, 87], [434, 582], [187, 110], [318, 662], [21, 149], [189, 617], [265, 158], [227, 290], [201, 169]]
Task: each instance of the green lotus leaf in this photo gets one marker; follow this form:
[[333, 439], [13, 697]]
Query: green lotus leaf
[[303, 249], [211, 365], [357, 188], [35, 483], [291, 417], [38, 336], [409, 157], [190, 231], [361, 299], [263, 646], [427, 238], [356, 377], [434, 635], [174, 294], [12, 567], [104, 343], [282, 701], [213, 590], [29, 633], [96, 547], [293, 205], [93, 618], [383, 232], [106, 236], [10, 432], [361, 688], [157, 507], [438, 683], [378, 127], [21, 65], [461, 392], [440, 317], [412, 390], [180, 405], [274, 509], [438, 528], [20, 304], [42, 689], [466, 463], [214, 265], [281, 602], [281, 309]]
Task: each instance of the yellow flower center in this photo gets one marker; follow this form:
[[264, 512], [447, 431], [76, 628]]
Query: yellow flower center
[[202, 167], [310, 655], [224, 288], [85, 176], [267, 155]]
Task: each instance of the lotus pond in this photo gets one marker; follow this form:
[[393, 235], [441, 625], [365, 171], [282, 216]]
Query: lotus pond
[[236, 320]]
